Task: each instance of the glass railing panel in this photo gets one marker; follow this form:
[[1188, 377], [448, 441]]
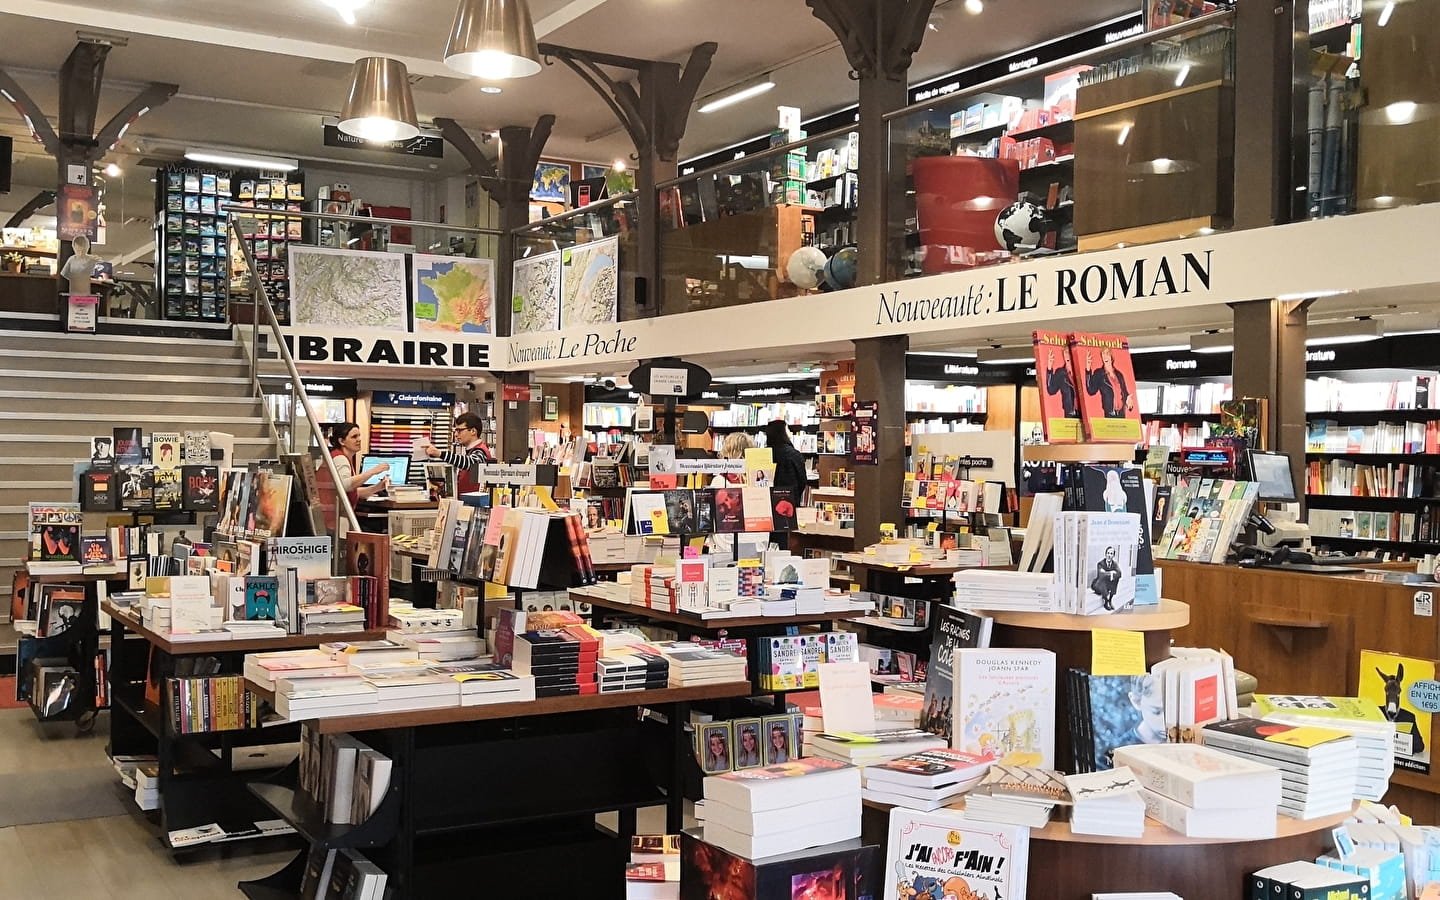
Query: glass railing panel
[[564, 272]]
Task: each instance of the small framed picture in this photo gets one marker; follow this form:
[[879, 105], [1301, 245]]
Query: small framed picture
[[715, 748], [779, 739], [552, 408], [749, 754], [797, 732]]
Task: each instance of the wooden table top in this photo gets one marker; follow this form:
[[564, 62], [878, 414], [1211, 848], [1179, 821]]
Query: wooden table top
[[234, 645]]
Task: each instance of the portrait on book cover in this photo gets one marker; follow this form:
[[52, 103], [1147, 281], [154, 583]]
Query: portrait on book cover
[[1125, 710], [749, 754], [779, 739], [715, 751]]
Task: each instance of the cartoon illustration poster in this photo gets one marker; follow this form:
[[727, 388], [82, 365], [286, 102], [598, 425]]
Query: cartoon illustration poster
[[1386, 680], [942, 854]]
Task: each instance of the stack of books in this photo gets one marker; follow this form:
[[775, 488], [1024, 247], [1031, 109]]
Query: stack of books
[[1204, 793], [323, 696], [1383, 868], [1017, 795], [413, 690], [654, 869], [425, 621], [331, 618], [869, 748], [692, 664], [264, 669], [1106, 803], [1007, 591], [1305, 880], [637, 671], [807, 600], [562, 661], [1317, 765], [447, 647], [1374, 734], [782, 808], [926, 780], [482, 683]]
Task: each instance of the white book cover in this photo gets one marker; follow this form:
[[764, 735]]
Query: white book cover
[[1004, 705], [941, 853], [310, 556], [723, 584], [1201, 777], [1110, 546]]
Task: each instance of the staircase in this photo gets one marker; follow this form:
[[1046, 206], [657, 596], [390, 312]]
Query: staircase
[[57, 391]]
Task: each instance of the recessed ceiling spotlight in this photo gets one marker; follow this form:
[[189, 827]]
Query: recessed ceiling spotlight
[[974, 7], [489, 89]]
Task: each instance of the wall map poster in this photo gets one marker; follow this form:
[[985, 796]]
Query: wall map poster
[[536, 301], [347, 288], [453, 293], [867, 450], [590, 292]]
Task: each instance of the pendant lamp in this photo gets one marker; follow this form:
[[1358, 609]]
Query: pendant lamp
[[380, 106], [493, 39]]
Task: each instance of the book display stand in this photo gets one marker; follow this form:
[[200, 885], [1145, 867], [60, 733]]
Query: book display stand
[[79, 647]]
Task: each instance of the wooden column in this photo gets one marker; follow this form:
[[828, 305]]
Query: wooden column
[[514, 418], [1272, 61], [1269, 362], [880, 376]]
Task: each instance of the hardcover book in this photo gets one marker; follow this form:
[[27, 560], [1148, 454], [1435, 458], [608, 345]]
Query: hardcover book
[[1059, 394], [1105, 380], [197, 448], [100, 491], [844, 871], [137, 487], [127, 446], [729, 511], [1004, 705], [1120, 489], [200, 486], [166, 448], [260, 595], [169, 489]]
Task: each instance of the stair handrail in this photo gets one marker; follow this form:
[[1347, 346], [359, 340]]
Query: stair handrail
[[263, 309]]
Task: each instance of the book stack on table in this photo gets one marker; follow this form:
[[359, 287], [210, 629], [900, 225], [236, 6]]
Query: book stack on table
[[1106, 803], [868, 748], [1017, 795], [926, 780], [692, 664], [562, 660], [482, 682], [1204, 793], [1317, 765], [1374, 734], [782, 808]]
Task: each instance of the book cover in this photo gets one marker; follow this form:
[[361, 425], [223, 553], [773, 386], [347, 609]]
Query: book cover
[[166, 448], [680, 510], [1385, 681], [137, 487], [1120, 489], [1109, 550], [260, 595], [755, 508], [200, 486], [1293, 742], [955, 629], [270, 505], [942, 854], [1124, 710], [1004, 705], [95, 551], [127, 446], [367, 554], [648, 513], [729, 510], [102, 453], [100, 493], [1105, 380], [782, 509], [929, 768], [1023, 782], [1321, 709], [1059, 398], [440, 481], [55, 532], [309, 556], [169, 489], [197, 448], [63, 605]]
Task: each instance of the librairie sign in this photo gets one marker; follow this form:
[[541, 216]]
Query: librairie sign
[[385, 349]]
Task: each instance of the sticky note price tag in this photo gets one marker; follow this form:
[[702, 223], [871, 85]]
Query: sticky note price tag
[[1115, 652]]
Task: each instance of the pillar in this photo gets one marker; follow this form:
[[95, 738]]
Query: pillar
[[880, 376], [1269, 362], [514, 418]]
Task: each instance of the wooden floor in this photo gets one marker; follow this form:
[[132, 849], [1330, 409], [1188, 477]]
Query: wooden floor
[[115, 858]]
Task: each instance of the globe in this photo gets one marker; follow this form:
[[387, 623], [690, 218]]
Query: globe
[[805, 267], [840, 269], [1020, 226]]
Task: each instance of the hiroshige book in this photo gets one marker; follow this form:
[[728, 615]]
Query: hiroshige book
[[1105, 379], [942, 854], [1059, 394]]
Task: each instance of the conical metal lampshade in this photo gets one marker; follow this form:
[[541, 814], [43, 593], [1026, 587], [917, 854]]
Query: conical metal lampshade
[[380, 106], [493, 39]]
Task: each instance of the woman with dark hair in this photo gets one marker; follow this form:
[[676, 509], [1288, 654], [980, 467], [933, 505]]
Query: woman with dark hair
[[344, 449], [789, 463]]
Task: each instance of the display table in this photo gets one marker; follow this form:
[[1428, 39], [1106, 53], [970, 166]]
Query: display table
[[493, 794], [197, 783], [1068, 866]]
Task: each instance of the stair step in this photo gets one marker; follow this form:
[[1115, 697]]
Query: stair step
[[51, 361], [79, 385], [121, 407], [222, 347], [65, 422]]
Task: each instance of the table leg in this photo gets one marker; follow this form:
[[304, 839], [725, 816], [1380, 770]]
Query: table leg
[[679, 749]]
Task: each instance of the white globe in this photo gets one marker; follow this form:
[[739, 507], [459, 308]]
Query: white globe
[[806, 267], [1020, 226]]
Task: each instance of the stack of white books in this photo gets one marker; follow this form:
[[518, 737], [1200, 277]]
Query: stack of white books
[[869, 748], [926, 780], [413, 690], [1374, 734], [447, 647], [1106, 803], [1204, 793], [368, 651], [783, 808], [422, 621], [1007, 591], [264, 669], [808, 600], [1317, 765], [331, 618], [692, 664], [323, 696], [482, 683], [251, 629], [1017, 795]]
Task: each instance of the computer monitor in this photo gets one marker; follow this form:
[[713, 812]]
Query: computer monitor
[[399, 466], [1272, 471]]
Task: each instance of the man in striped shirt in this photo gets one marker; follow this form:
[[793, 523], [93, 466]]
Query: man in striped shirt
[[467, 453]]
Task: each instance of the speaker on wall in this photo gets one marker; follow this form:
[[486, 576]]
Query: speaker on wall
[[7, 145]]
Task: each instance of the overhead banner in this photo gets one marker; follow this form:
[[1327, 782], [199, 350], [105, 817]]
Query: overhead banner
[[423, 145], [1304, 259], [384, 350]]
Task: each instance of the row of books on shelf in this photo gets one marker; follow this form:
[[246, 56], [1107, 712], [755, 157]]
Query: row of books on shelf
[[216, 703], [759, 414], [148, 488], [727, 510], [792, 662], [1329, 436], [777, 583], [1333, 395], [1176, 437], [1183, 399], [343, 777], [1364, 524], [510, 545], [952, 494], [951, 398], [1346, 478], [916, 430]]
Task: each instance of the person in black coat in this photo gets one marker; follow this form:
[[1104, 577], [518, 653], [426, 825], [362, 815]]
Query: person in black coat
[[789, 468], [1109, 384], [1059, 382]]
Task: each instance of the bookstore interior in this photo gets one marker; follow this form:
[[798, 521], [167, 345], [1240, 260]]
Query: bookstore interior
[[1098, 456]]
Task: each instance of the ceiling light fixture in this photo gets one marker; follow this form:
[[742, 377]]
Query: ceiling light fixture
[[1385, 14], [489, 89], [380, 106], [620, 165], [974, 7], [1351, 331], [241, 160], [1213, 342], [1160, 348], [1002, 356], [734, 97], [346, 8], [112, 171], [493, 39]]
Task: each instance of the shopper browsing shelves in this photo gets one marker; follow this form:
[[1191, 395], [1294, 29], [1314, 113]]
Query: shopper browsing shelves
[[733, 447]]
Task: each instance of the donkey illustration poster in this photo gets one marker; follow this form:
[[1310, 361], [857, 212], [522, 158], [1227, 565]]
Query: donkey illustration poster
[[1385, 680]]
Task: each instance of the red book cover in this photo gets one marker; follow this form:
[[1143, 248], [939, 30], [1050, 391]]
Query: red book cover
[[1059, 391], [368, 553], [1207, 699], [1105, 384]]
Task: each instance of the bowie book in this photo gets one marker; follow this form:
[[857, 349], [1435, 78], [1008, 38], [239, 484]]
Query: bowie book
[[942, 854]]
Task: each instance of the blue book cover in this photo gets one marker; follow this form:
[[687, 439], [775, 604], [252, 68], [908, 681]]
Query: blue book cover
[[260, 596]]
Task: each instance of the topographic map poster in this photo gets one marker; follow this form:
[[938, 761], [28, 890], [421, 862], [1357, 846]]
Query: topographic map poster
[[536, 304], [347, 288], [591, 286], [452, 293]]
